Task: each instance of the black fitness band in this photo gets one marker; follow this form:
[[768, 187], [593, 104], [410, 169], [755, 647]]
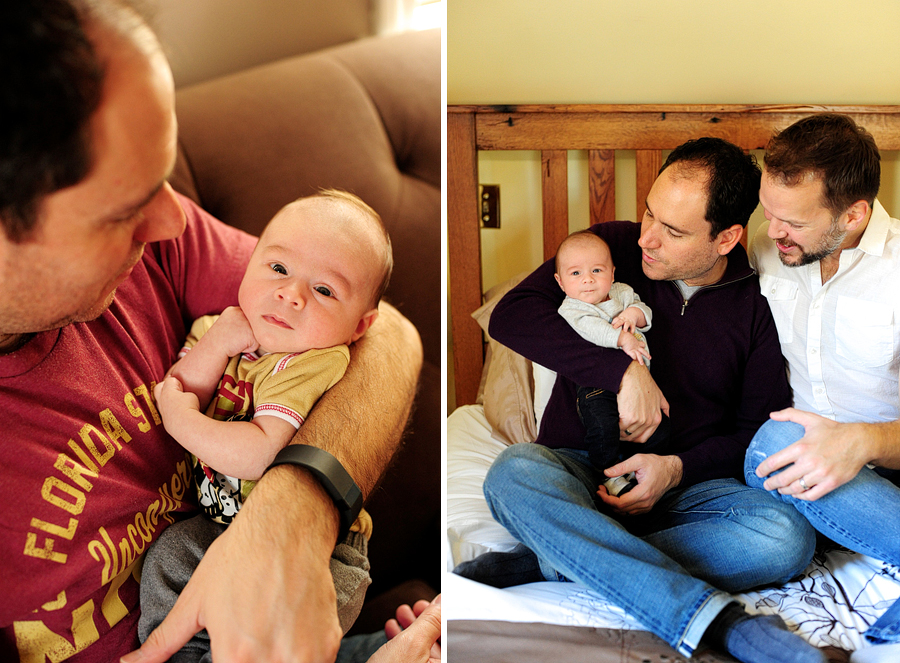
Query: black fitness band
[[331, 474]]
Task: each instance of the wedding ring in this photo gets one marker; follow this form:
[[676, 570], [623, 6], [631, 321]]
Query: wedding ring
[[803, 484], [627, 432]]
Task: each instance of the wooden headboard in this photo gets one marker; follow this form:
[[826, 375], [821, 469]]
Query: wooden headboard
[[600, 130]]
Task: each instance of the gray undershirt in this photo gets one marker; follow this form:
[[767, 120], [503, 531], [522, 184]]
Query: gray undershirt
[[687, 291]]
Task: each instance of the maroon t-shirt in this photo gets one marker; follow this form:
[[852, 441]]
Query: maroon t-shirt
[[88, 476]]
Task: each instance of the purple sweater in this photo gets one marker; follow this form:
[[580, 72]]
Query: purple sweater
[[716, 359]]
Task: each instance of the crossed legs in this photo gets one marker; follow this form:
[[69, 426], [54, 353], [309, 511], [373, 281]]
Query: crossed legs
[[670, 572]]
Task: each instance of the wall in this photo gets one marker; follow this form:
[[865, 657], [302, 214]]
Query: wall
[[206, 38], [648, 51]]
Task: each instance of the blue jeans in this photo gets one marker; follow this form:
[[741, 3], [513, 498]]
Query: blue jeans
[[671, 568], [862, 515]]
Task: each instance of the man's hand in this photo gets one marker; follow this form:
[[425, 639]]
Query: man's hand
[[640, 402], [282, 611], [656, 475], [414, 637], [827, 456]]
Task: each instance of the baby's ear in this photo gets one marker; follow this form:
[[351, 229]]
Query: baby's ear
[[364, 323]]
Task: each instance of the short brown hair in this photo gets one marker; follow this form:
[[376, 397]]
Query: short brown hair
[[831, 147]]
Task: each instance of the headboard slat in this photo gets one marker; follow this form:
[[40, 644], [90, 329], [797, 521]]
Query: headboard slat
[[602, 185], [647, 165], [555, 185]]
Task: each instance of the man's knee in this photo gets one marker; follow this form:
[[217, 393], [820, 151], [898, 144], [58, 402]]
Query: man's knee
[[772, 436], [791, 543], [514, 466]]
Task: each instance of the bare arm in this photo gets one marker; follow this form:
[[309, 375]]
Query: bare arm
[[361, 419], [242, 449], [281, 604]]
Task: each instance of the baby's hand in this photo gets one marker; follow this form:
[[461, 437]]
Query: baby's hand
[[171, 399], [622, 321], [630, 319], [634, 348], [233, 333]]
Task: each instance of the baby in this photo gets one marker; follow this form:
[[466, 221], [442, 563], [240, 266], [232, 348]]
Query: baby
[[311, 289], [609, 314]]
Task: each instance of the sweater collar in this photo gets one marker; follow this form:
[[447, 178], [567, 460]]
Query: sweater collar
[[738, 266]]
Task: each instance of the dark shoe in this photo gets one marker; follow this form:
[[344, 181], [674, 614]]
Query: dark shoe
[[503, 569]]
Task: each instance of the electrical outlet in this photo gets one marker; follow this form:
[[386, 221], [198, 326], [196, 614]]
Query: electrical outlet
[[490, 205]]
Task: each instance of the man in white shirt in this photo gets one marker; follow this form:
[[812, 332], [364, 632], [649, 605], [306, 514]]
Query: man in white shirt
[[829, 264]]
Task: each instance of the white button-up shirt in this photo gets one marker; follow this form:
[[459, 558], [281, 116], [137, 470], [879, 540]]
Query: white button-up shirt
[[841, 339]]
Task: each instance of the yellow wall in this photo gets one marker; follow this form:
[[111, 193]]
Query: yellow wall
[[653, 51], [680, 51]]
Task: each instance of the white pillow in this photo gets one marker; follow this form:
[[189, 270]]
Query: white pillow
[[544, 379], [471, 530]]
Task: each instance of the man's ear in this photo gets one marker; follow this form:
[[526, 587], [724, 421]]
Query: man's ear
[[364, 323], [857, 213], [729, 238]]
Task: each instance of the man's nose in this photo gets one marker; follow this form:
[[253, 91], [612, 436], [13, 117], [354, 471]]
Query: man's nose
[[776, 229], [648, 237], [163, 217]]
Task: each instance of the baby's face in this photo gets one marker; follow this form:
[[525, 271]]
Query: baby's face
[[586, 271], [309, 283]]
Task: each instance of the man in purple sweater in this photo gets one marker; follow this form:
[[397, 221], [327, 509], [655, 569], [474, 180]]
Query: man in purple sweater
[[670, 550]]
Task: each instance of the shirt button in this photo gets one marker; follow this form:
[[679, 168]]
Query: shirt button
[[812, 351]]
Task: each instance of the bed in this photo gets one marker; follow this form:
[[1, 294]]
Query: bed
[[500, 395]]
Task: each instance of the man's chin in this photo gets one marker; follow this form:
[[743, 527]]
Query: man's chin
[[91, 313], [650, 272]]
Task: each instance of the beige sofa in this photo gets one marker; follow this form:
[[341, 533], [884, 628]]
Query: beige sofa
[[364, 117]]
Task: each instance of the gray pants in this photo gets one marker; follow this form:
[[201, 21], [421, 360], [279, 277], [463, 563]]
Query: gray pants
[[173, 557]]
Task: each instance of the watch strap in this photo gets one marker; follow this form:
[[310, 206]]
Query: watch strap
[[329, 472]]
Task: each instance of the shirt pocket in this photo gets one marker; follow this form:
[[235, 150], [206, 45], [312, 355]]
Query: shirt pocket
[[864, 332], [782, 297]]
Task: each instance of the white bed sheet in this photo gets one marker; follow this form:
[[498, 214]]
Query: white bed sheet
[[837, 599]]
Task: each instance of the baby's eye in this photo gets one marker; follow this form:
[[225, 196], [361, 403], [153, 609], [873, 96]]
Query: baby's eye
[[281, 269], [323, 290], [576, 273]]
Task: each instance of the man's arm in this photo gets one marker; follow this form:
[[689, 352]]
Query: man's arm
[[278, 602], [361, 419]]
